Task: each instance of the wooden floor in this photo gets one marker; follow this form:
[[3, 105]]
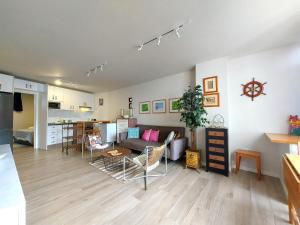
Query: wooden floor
[[62, 189]]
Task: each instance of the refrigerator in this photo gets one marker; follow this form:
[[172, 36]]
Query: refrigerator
[[6, 118]]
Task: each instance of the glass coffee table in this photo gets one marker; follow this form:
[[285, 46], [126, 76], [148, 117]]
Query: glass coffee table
[[113, 159]]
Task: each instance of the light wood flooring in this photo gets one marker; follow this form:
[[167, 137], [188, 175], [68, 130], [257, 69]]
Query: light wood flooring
[[62, 189]]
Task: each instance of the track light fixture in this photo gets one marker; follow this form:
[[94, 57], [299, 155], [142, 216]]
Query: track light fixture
[[158, 38], [96, 69], [140, 47], [177, 32]]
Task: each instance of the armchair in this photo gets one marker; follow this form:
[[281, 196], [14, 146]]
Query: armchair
[[149, 160]]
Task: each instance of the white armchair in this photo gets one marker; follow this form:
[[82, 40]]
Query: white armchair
[[149, 160]]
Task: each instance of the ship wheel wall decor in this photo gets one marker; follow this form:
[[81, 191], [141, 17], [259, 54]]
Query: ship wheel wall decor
[[253, 89]]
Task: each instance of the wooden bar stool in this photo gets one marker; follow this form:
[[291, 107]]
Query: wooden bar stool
[[248, 154]]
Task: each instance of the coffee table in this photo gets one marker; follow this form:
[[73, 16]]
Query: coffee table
[[113, 162]]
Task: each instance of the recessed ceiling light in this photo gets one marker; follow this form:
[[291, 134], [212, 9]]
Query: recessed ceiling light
[[58, 82]]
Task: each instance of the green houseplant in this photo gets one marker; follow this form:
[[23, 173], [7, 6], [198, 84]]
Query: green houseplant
[[192, 111]]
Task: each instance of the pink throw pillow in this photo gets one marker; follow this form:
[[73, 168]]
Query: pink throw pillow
[[146, 135], [154, 135]]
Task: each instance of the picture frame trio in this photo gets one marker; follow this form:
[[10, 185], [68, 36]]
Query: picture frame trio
[[159, 106], [210, 92]]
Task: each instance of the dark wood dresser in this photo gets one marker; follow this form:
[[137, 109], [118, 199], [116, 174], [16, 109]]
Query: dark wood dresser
[[217, 150]]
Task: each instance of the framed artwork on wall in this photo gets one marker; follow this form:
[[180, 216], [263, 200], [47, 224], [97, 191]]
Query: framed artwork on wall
[[145, 107], [101, 101], [174, 105], [159, 106], [210, 84], [211, 100]]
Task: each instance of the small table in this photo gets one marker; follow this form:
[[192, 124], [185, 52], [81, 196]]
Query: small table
[[293, 141], [112, 162]]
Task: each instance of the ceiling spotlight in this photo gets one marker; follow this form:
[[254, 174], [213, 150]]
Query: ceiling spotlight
[[177, 32], [158, 40], [140, 48], [88, 74], [101, 68], [58, 82], [96, 69]]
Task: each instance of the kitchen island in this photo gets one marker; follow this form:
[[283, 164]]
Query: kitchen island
[[12, 200]]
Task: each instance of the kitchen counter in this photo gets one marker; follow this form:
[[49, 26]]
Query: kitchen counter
[[12, 200], [75, 122]]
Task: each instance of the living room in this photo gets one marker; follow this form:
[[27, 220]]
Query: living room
[[113, 137]]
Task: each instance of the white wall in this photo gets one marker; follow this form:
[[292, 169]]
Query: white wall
[[248, 121], [164, 88]]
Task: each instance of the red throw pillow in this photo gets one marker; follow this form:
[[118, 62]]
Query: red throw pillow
[[154, 135], [146, 135]]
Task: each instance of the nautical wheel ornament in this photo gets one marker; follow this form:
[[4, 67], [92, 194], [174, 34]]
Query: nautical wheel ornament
[[253, 89]]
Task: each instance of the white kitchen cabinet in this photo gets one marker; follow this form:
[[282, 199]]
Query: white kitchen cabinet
[[25, 85], [55, 94], [54, 135], [6, 83], [70, 99]]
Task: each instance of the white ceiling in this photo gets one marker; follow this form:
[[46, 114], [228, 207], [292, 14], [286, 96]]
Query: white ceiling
[[43, 40]]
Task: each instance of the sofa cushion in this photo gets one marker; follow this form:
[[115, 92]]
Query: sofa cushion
[[138, 144], [163, 130], [133, 132], [154, 135], [146, 135]]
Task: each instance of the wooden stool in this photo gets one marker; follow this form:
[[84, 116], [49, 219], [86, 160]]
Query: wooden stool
[[248, 154]]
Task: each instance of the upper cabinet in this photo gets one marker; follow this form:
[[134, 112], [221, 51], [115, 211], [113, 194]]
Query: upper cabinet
[[26, 85], [6, 83], [70, 99], [55, 94]]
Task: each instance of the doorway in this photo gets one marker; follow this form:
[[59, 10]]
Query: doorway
[[24, 120]]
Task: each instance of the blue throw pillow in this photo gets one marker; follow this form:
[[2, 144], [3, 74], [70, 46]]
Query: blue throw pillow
[[133, 132]]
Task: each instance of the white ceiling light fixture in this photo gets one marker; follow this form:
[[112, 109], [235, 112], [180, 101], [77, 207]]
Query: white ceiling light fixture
[[158, 38], [58, 82], [177, 32], [140, 47], [96, 69]]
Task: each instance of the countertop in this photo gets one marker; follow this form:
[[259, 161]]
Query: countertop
[[75, 122], [11, 192], [283, 138]]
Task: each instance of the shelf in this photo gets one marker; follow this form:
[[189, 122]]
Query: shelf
[[283, 138]]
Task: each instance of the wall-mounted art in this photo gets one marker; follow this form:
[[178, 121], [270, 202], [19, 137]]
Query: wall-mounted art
[[210, 84], [100, 101], [145, 107], [253, 89], [174, 105], [211, 100], [159, 106]]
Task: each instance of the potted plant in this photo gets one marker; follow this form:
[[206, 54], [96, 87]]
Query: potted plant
[[192, 111]]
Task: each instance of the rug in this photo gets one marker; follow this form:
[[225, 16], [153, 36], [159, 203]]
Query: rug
[[116, 170], [132, 170]]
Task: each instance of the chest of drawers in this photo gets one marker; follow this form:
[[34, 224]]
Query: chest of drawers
[[217, 150]]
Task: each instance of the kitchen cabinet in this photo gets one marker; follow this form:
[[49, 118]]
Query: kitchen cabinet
[[55, 94], [6, 83], [70, 99], [25, 85]]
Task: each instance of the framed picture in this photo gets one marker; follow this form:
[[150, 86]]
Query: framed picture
[[211, 100], [159, 106], [210, 84], [145, 107], [173, 105], [100, 101]]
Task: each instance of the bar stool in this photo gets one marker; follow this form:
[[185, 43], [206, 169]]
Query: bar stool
[[248, 154]]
